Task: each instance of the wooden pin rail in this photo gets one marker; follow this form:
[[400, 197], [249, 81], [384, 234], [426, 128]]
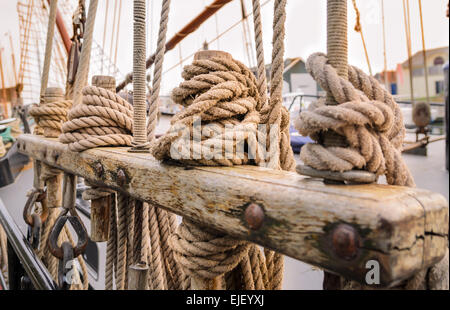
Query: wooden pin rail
[[338, 228]]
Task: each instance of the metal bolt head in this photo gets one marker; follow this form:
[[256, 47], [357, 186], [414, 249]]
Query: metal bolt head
[[345, 241], [121, 177], [254, 216]]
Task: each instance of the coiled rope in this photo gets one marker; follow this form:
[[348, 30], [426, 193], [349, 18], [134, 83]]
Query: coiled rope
[[103, 119], [52, 112], [367, 116]]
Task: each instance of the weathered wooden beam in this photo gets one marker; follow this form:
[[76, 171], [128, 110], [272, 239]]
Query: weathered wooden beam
[[339, 228]]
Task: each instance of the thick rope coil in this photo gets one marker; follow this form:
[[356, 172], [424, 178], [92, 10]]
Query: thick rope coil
[[367, 116], [103, 119], [203, 254], [51, 115], [223, 93]]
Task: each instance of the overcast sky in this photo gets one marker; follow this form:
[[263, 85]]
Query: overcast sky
[[305, 31]]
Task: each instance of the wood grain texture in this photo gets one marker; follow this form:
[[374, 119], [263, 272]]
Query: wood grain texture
[[404, 229]]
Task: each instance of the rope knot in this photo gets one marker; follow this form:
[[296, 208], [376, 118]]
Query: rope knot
[[222, 94], [52, 113], [102, 119], [367, 117]]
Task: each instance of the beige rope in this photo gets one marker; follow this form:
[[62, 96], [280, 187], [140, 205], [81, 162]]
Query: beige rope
[[157, 279], [225, 91], [83, 68], [159, 59], [206, 255], [368, 117], [48, 47], [123, 241], [47, 60], [222, 92], [51, 113], [259, 45], [167, 225], [103, 119], [111, 248]]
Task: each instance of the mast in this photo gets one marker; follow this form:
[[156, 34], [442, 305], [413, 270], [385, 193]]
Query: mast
[[13, 57], [4, 99], [62, 30]]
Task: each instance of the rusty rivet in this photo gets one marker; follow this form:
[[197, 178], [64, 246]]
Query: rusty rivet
[[121, 177], [98, 169], [345, 241], [254, 216]]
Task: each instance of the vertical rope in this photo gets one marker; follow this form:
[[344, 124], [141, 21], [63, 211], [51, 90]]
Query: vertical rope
[[111, 44], [111, 248], [83, 68], [139, 89], [157, 275], [160, 50], [122, 240], [358, 28], [48, 47], [259, 44], [117, 33]]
